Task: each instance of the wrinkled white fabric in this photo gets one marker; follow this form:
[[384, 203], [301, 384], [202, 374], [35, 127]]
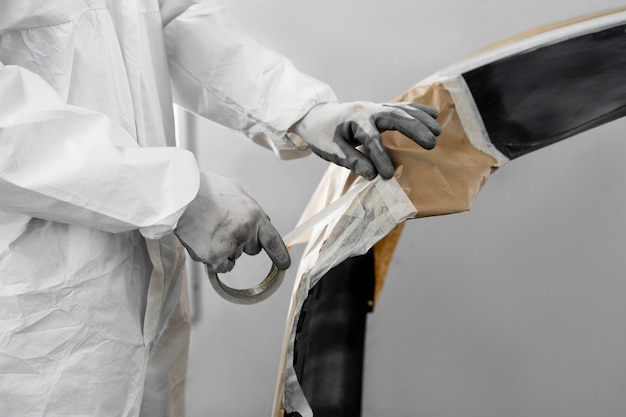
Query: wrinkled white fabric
[[263, 104], [90, 311]]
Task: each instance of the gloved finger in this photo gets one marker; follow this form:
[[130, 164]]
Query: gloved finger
[[369, 136], [273, 244], [410, 106], [346, 156], [252, 247], [222, 266], [415, 111], [236, 253], [421, 130]]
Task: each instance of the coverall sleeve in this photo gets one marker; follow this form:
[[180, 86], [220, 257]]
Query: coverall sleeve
[[71, 165], [224, 75]]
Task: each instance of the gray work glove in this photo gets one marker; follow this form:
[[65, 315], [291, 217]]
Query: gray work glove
[[332, 131], [222, 222]]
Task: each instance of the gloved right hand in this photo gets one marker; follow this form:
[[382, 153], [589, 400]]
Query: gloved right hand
[[222, 222]]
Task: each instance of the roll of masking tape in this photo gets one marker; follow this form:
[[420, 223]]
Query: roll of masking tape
[[253, 295]]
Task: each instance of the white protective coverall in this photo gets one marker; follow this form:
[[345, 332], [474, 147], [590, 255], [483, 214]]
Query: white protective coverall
[[92, 316]]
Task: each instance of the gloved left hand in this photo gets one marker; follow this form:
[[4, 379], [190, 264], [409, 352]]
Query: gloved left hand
[[333, 130], [222, 222]]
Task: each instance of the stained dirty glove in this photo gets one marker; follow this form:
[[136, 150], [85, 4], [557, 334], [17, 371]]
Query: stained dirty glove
[[332, 131], [223, 221]]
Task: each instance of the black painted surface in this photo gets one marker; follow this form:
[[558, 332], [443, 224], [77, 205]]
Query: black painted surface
[[330, 338], [534, 99]]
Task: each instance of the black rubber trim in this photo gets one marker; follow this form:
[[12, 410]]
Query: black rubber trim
[[330, 338]]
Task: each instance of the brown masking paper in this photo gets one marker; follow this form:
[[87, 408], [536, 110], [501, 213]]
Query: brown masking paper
[[443, 180]]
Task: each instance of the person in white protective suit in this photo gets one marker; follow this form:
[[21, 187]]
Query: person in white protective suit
[[95, 200]]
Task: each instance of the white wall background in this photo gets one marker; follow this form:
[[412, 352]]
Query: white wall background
[[517, 307]]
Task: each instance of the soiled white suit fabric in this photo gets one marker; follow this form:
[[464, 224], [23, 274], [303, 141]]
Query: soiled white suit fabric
[[93, 315]]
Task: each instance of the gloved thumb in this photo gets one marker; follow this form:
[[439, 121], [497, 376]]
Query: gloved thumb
[[272, 243]]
